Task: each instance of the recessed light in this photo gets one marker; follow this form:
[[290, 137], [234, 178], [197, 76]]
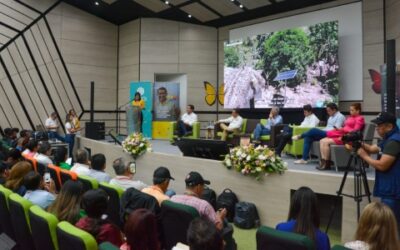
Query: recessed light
[[166, 2], [96, 3], [232, 0], [190, 16], [241, 6]]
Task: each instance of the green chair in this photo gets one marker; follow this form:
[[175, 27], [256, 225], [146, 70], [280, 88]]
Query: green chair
[[114, 206], [44, 227], [296, 148], [107, 246], [269, 139], [70, 237], [339, 247], [5, 220], [19, 213], [175, 221], [195, 131], [271, 239], [88, 182], [231, 136]]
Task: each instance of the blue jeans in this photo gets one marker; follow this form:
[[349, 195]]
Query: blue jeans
[[70, 139], [395, 206], [260, 130], [55, 135], [309, 137]]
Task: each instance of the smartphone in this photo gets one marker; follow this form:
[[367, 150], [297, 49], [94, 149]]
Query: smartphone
[[132, 167], [47, 177]]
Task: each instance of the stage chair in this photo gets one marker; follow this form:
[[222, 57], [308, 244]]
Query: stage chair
[[71, 237], [88, 182], [194, 135], [271, 239], [43, 225], [233, 138], [270, 139], [19, 213], [339, 247], [107, 246], [296, 148], [55, 175], [114, 206], [175, 221], [5, 218]]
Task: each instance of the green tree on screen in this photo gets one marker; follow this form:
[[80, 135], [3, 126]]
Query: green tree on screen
[[324, 40], [231, 57]]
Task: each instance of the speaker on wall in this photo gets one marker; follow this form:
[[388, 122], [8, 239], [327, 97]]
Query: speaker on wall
[[95, 130]]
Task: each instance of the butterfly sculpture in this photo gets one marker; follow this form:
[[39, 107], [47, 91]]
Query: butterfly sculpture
[[376, 79], [212, 94]]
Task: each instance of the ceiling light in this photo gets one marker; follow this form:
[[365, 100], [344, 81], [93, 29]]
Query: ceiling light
[[96, 3], [190, 16], [241, 6], [166, 2], [232, 0]]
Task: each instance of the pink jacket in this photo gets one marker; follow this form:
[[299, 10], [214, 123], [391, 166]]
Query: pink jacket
[[352, 123]]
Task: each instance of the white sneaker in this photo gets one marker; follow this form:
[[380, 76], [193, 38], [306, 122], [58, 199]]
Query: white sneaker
[[296, 137], [301, 161]]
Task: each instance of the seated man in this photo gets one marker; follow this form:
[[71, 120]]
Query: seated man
[[44, 153], [98, 165], [273, 119], [310, 121], [161, 179], [81, 166], [52, 126], [125, 173], [185, 125], [235, 123], [335, 120], [38, 192]]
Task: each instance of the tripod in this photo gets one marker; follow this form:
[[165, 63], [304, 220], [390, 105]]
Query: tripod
[[360, 178]]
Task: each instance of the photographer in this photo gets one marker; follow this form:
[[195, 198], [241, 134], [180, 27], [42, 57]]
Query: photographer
[[387, 166]]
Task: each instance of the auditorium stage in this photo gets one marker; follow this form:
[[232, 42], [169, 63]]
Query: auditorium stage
[[271, 195]]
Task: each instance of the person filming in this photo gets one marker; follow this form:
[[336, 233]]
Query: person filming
[[387, 164]]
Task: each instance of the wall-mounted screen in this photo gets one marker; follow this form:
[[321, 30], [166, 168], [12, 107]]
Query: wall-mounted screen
[[287, 68]]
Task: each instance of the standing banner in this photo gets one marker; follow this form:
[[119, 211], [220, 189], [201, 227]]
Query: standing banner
[[166, 101], [145, 90]]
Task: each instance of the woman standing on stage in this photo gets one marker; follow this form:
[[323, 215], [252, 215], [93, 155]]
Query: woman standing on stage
[[70, 133], [75, 120], [138, 102]]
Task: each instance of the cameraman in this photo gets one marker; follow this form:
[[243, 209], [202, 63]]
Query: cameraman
[[387, 166]]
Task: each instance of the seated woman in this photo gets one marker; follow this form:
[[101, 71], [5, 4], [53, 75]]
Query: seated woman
[[355, 122], [94, 202], [60, 157], [304, 218], [31, 149], [377, 229], [15, 181], [67, 205]]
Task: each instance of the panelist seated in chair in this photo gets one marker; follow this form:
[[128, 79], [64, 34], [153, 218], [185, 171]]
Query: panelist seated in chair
[[335, 120], [273, 119], [185, 124], [235, 123], [310, 121]]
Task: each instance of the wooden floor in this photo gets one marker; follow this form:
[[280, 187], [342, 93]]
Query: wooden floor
[[271, 195]]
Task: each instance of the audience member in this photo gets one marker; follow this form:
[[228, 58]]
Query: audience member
[[98, 165], [202, 234], [37, 191], [67, 205], [273, 120], [10, 136], [377, 229], [60, 157], [194, 189], [4, 173], [141, 231], [335, 120], [304, 218], [81, 166], [94, 202], [185, 124], [125, 173], [13, 157], [310, 121], [21, 142], [44, 153], [235, 123], [52, 126], [31, 149], [161, 179], [15, 181], [70, 133]]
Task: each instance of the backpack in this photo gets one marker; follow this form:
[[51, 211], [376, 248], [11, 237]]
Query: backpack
[[210, 196], [227, 199], [246, 215]]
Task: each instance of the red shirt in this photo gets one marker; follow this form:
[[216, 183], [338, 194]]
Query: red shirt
[[352, 123], [108, 231]]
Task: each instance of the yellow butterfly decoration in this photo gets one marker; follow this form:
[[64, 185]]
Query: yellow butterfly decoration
[[211, 93]]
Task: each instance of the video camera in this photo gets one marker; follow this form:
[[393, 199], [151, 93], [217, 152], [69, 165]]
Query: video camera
[[355, 138]]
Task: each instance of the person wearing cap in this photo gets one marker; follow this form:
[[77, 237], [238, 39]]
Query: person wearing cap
[[387, 165], [125, 172], [194, 189], [161, 178]]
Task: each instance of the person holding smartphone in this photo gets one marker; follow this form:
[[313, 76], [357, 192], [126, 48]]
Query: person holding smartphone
[[125, 172], [40, 191]]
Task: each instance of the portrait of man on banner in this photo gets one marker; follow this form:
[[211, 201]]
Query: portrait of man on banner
[[166, 101]]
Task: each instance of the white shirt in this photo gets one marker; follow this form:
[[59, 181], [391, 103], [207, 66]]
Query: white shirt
[[43, 159], [234, 122], [80, 169], [189, 118], [51, 123], [125, 182], [100, 176], [68, 126], [39, 197], [310, 121]]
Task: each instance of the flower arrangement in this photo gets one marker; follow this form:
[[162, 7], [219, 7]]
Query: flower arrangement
[[254, 161], [136, 144]]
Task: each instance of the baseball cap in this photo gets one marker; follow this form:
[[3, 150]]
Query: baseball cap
[[384, 117], [194, 178], [162, 173]]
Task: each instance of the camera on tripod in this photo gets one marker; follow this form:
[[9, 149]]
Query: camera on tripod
[[354, 138]]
